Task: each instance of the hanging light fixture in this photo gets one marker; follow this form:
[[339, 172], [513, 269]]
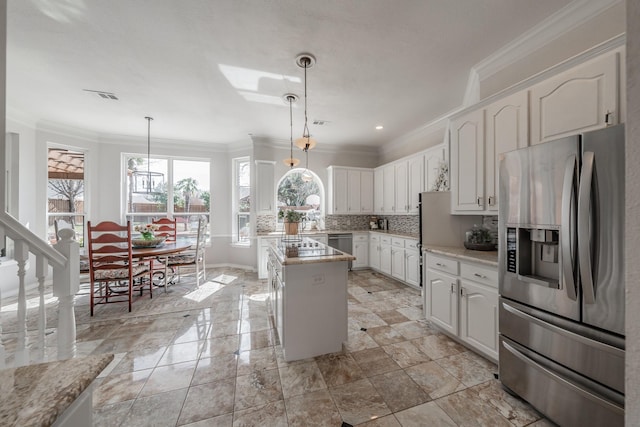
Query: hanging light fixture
[[147, 182], [291, 161], [306, 143]]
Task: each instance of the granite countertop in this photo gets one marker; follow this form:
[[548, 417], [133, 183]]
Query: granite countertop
[[482, 257], [294, 260], [334, 231], [36, 395]]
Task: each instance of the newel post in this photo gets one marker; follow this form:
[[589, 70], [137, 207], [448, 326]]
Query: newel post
[[66, 282]]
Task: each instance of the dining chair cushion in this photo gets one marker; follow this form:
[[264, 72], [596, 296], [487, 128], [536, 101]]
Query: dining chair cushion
[[182, 259], [120, 273]]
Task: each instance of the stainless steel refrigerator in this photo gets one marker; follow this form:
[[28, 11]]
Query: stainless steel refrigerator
[[561, 272]]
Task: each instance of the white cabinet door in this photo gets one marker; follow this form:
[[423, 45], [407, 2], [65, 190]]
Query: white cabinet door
[[577, 100], [339, 189], [507, 130], [442, 298], [479, 317], [378, 190], [397, 263], [402, 189], [433, 158], [361, 252], [366, 192], [353, 191], [265, 195], [263, 256], [467, 163], [385, 258], [412, 267], [374, 252], [415, 182], [388, 190]]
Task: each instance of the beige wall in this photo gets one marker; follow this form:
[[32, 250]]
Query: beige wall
[[632, 223], [603, 27], [413, 143]]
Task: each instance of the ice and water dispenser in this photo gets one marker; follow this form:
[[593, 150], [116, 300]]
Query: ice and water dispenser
[[532, 254]]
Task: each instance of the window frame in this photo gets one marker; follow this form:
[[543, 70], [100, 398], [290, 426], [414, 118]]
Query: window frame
[[235, 202]]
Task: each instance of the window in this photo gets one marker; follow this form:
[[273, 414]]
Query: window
[[241, 200], [297, 193], [65, 192], [175, 187]]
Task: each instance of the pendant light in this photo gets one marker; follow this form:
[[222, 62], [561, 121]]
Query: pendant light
[[305, 60], [147, 182], [291, 161]]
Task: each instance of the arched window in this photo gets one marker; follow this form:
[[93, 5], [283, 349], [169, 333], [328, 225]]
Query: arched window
[[303, 195]]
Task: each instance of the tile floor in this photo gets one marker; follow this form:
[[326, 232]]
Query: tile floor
[[210, 357]]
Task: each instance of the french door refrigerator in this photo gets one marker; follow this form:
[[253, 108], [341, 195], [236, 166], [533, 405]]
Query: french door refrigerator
[[561, 273]]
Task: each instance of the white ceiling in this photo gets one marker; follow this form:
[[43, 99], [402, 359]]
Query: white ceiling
[[215, 71]]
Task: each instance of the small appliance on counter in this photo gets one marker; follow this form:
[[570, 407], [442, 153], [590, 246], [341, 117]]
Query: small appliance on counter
[[383, 224], [373, 223], [479, 238]]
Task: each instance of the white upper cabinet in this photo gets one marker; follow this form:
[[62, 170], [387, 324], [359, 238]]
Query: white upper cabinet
[[388, 189], [366, 192], [265, 195], [402, 187], [467, 163], [378, 190], [415, 182], [507, 130], [350, 191], [433, 158], [580, 99]]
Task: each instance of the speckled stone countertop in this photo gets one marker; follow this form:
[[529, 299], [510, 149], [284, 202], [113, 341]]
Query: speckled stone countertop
[[36, 395], [310, 233], [294, 260], [481, 257]]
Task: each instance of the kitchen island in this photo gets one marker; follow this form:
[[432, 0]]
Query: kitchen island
[[308, 295]]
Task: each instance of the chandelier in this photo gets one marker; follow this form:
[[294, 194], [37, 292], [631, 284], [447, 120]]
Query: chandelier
[[148, 182], [306, 142]]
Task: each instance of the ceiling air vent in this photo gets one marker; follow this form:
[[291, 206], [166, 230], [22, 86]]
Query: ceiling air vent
[[320, 122], [102, 94]]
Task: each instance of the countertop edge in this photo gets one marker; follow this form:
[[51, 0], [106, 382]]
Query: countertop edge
[[489, 258], [405, 235]]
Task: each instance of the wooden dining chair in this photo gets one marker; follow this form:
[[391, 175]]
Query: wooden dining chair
[[166, 228], [112, 271], [195, 256]]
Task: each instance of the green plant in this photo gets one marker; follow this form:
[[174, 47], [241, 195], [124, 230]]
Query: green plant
[[290, 215]]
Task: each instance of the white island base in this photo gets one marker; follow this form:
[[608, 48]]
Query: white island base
[[311, 313]]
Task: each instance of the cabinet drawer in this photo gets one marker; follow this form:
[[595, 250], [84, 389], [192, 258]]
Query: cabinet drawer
[[360, 237], [385, 240], [411, 244], [481, 274], [374, 237], [397, 242], [443, 264]]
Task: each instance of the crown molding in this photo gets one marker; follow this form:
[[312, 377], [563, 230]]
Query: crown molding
[[566, 19], [285, 144]]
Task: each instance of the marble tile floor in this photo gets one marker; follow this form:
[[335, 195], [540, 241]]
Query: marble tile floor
[[210, 357]]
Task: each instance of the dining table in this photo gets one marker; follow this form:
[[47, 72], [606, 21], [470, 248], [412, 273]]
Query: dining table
[[161, 253]]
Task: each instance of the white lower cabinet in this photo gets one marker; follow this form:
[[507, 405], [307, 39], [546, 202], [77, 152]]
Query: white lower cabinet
[[360, 250], [385, 255], [462, 299], [394, 256], [412, 266], [374, 251], [263, 255]]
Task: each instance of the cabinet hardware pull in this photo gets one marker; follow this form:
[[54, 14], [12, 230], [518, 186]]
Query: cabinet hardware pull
[[608, 118], [491, 200], [482, 276], [453, 285], [479, 201], [439, 264], [462, 294]]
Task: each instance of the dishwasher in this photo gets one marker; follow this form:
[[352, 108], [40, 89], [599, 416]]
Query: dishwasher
[[342, 242]]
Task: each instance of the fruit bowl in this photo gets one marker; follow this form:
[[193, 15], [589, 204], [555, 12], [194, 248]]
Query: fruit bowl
[[147, 243]]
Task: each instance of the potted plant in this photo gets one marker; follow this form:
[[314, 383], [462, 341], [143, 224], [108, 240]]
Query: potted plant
[[291, 219]]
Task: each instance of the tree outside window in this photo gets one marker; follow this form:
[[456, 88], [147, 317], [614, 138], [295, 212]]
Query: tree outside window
[[300, 195]]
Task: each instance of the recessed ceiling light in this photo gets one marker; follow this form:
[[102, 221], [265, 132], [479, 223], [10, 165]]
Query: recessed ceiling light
[[379, 127]]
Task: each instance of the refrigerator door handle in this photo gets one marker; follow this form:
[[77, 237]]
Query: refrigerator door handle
[[584, 227], [566, 234]]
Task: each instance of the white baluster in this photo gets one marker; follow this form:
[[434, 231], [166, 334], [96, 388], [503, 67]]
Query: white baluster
[[66, 282], [41, 273], [22, 352]]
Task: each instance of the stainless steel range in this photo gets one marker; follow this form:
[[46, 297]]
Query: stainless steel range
[[562, 343]]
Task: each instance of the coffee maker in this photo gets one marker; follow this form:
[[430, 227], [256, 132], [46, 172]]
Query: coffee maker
[[383, 224]]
